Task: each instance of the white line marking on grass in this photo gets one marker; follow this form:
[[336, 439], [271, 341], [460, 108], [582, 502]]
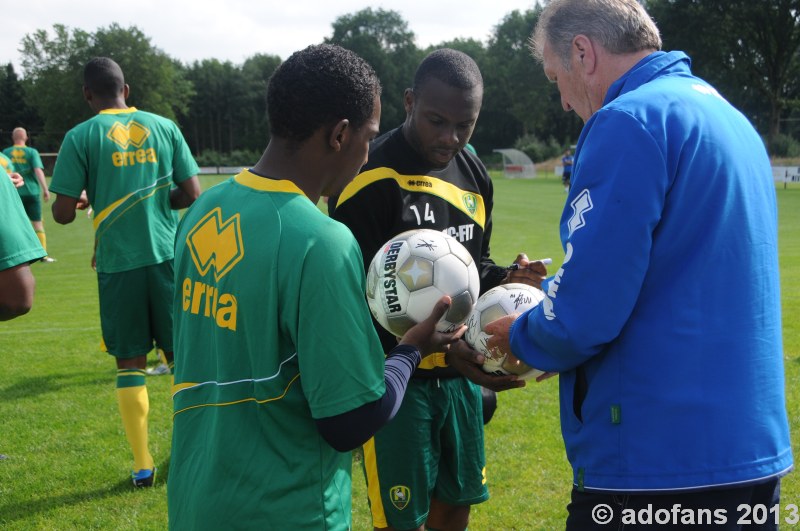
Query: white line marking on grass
[[47, 330]]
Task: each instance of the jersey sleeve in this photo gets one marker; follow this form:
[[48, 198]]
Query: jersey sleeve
[[607, 230], [183, 165], [36, 159], [18, 242], [340, 357], [69, 175]]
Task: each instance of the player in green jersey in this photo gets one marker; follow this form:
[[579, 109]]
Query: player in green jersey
[[279, 371], [29, 164], [136, 170], [18, 248]]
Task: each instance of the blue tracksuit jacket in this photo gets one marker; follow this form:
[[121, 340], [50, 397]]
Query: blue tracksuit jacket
[[664, 320]]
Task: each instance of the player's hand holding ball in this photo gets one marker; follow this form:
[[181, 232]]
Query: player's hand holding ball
[[425, 336], [469, 362], [499, 344], [412, 271], [503, 300]]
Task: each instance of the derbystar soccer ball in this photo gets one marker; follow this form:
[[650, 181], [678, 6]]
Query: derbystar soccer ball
[[412, 271], [503, 300]]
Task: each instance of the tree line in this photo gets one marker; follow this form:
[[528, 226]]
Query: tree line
[[748, 50]]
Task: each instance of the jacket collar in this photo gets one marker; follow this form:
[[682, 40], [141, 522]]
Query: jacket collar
[[645, 70]]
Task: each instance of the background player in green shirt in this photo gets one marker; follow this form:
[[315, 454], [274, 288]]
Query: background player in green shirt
[[135, 169], [18, 248], [29, 164], [278, 370]]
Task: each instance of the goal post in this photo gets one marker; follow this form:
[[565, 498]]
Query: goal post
[[516, 164]]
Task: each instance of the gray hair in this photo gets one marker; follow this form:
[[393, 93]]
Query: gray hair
[[620, 26]]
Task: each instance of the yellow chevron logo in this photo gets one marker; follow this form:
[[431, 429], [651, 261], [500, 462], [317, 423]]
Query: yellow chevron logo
[[133, 134], [18, 156], [216, 244]]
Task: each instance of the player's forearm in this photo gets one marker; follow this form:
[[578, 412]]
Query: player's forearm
[[64, 209], [185, 194], [40, 177], [16, 291]]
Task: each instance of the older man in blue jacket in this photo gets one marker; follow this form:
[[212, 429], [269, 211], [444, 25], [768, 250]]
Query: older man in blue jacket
[[664, 321]]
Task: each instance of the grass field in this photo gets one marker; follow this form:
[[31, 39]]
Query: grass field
[[68, 461]]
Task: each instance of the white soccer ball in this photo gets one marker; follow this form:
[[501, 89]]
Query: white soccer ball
[[412, 271], [503, 300]]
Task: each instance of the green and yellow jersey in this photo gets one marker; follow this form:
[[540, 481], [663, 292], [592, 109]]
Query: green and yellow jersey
[[272, 331], [25, 159], [18, 242], [127, 161]]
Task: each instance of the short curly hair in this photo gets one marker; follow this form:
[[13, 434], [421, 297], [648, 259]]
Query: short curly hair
[[103, 77], [452, 67], [317, 86]]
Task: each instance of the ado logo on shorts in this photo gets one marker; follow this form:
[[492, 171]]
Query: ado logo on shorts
[[400, 496]]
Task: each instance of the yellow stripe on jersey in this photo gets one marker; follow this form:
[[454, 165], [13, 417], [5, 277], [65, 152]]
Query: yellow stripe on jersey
[[265, 184], [243, 400], [100, 216], [432, 361], [181, 387], [178, 388], [119, 111], [470, 203], [106, 212]]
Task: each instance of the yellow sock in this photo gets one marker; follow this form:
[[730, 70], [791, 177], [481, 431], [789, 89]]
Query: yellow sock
[[42, 239], [134, 406]]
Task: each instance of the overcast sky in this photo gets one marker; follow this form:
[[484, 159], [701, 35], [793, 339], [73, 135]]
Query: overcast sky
[[234, 30]]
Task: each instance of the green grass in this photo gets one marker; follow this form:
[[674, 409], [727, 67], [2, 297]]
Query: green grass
[[68, 460]]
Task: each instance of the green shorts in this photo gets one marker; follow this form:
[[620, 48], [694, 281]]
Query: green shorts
[[433, 448], [33, 206], [136, 310]]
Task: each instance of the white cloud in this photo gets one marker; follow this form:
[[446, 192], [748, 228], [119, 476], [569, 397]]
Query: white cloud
[[191, 30]]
